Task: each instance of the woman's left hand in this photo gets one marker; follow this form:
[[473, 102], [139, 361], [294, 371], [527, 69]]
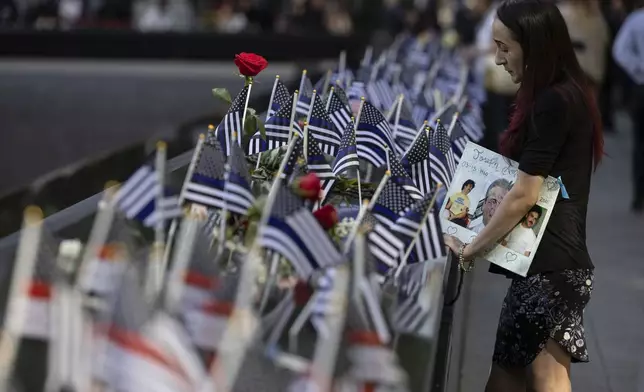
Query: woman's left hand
[[453, 243]]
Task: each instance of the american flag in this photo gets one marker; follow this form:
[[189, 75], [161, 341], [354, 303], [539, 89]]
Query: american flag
[[316, 163], [410, 315], [293, 231], [373, 136], [281, 97], [37, 321], [137, 198], [135, 359], [103, 272], [292, 159], [381, 94], [341, 94], [322, 127], [384, 245], [348, 154], [442, 165], [472, 122], [459, 140], [405, 130], [206, 186], [424, 107], [322, 300], [200, 277], [232, 122], [356, 91], [400, 177], [392, 203], [277, 131], [339, 113], [238, 195], [416, 162], [426, 231], [305, 94]]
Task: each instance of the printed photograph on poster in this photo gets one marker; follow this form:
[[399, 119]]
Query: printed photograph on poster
[[481, 181]]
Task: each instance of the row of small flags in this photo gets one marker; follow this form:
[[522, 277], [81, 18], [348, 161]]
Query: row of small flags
[[150, 346]]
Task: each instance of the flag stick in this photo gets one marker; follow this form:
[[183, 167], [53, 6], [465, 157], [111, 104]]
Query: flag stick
[[270, 102], [67, 354], [401, 99], [175, 222], [452, 124], [410, 248], [243, 122], [310, 113], [328, 99], [16, 314], [223, 221], [302, 79], [293, 113], [99, 232], [368, 54], [154, 279], [355, 130], [268, 114], [342, 63], [358, 273], [180, 261], [393, 109], [327, 81]]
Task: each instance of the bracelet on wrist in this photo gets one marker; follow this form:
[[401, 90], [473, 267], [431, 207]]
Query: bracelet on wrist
[[462, 261]]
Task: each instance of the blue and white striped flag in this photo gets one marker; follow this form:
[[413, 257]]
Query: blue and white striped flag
[[137, 198]]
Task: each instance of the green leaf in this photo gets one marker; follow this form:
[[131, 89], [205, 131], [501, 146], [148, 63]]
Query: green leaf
[[262, 129], [251, 112], [222, 94], [250, 125]]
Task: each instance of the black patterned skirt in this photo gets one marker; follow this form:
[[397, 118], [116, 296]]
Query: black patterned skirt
[[539, 307]]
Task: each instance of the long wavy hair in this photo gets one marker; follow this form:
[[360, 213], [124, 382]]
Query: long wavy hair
[[549, 60]]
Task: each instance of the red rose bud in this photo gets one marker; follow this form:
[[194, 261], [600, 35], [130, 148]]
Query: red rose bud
[[327, 216], [302, 293], [309, 186], [250, 64]]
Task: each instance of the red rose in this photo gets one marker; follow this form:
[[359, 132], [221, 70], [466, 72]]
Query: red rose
[[327, 216], [250, 64], [309, 186], [302, 293]]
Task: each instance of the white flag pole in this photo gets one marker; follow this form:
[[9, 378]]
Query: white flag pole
[[175, 222], [16, 314]]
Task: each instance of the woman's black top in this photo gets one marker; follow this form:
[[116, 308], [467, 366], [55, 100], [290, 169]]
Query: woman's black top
[[558, 142]]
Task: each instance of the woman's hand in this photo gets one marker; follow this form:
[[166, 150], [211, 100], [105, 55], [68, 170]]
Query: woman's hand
[[453, 243]]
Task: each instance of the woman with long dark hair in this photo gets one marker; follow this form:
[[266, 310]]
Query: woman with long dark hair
[[555, 130]]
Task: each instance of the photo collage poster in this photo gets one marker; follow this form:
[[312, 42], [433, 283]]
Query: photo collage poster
[[481, 181]]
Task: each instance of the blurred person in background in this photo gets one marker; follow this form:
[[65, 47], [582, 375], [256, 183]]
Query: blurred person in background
[[499, 88], [163, 15], [8, 13], [228, 19], [590, 37], [337, 19], [628, 52], [115, 14], [308, 17]]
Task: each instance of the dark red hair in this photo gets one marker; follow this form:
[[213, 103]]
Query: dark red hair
[[549, 60]]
